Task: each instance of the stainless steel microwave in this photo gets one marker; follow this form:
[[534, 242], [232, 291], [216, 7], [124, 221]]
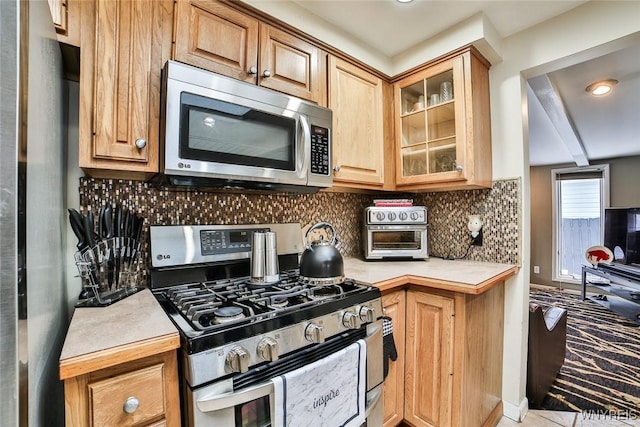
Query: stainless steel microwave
[[221, 132]]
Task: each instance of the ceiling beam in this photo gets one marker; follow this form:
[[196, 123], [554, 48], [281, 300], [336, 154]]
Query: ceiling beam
[[552, 104]]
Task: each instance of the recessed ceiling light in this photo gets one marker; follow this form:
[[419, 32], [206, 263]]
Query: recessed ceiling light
[[601, 88], [404, 1]]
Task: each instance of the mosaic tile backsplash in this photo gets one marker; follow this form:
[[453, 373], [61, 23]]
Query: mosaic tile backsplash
[[499, 208]]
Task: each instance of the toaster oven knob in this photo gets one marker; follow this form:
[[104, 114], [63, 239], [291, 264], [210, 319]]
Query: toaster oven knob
[[350, 320], [402, 216], [380, 216], [314, 333], [237, 360], [367, 314], [268, 349]]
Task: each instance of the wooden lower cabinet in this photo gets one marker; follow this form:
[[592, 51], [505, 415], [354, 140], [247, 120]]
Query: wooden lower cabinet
[[394, 305], [452, 368], [143, 392]]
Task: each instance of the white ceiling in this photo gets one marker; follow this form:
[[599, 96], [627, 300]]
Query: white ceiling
[[604, 127], [391, 28]]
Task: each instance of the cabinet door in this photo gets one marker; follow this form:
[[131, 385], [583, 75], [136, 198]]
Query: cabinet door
[[125, 45], [429, 359], [356, 98], [66, 20], [217, 38], [431, 138], [394, 305], [291, 65]]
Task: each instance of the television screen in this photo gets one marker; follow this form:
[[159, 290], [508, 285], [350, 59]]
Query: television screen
[[622, 234]]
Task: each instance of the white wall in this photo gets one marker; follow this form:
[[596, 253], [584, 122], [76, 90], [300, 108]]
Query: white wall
[[583, 33]]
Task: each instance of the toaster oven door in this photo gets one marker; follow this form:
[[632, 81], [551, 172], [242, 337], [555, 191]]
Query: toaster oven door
[[387, 241]]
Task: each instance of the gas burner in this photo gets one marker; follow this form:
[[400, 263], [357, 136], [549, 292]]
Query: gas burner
[[227, 314], [322, 292]]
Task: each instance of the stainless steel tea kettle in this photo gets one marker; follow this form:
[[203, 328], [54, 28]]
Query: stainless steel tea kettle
[[321, 263]]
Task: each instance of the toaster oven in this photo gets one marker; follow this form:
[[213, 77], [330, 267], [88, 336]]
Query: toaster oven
[[395, 232]]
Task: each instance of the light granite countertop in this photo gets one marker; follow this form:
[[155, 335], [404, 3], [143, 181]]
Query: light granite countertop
[[470, 277], [100, 337]]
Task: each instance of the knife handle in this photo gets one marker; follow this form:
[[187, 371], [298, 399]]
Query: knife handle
[[77, 225], [88, 230], [107, 226], [117, 221]]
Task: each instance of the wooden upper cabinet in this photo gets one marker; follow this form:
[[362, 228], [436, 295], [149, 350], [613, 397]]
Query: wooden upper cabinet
[[356, 98], [216, 37], [219, 38], [66, 20], [443, 131], [125, 45]]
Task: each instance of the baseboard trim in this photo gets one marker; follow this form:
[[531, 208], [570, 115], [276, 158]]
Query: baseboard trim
[[516, 413]]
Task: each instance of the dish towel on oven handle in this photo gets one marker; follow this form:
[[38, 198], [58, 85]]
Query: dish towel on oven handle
[[327, 393], [389, 350]]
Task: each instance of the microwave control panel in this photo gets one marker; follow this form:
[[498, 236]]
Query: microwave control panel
[[320, 150]]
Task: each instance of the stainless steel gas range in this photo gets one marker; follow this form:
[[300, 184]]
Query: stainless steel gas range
[[238, 337]]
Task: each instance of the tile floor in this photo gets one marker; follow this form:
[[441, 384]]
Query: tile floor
[[536, 418]]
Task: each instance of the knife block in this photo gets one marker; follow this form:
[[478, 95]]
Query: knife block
[[108, 271]]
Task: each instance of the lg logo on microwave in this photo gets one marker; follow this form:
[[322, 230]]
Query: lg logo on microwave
[[161, 257], [184, 165]]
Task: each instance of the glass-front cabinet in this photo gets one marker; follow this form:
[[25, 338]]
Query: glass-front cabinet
[[436, 126]]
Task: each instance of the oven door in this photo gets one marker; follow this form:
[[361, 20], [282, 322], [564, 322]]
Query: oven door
[[395, 241], [251, 405]]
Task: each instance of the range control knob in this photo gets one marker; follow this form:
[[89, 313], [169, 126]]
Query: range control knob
[[350, 320], [314, 333], [268, 349], [414, 216], [367, 314], [391, 216], [237, 360], [402, 216], [380, 216]]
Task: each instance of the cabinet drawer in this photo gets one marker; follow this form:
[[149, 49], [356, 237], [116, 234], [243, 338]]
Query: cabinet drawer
[[107, 397]]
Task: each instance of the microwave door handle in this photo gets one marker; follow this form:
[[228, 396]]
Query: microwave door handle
[[216, 401], [304, 146]]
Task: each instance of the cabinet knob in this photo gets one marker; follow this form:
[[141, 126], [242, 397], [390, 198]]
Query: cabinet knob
[[336, 168], [253, 70], [459, 168], [131, 404], [266, 73], [141, 143]]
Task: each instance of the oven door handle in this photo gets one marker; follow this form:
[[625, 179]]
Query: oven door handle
[[231, 399], [216, 402]]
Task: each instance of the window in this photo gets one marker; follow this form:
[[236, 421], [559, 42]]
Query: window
[[579, 198]]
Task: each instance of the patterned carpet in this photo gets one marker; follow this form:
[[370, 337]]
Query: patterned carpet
[[601, 370]]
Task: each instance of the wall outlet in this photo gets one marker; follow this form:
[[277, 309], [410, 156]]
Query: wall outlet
[[536, 269], [477, 240]]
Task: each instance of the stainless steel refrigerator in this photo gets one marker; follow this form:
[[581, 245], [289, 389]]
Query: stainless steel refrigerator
[[33, 301]]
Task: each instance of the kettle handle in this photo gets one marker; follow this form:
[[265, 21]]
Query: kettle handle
[[321, 225]]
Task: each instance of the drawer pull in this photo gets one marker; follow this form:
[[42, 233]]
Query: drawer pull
[[131, 405]]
